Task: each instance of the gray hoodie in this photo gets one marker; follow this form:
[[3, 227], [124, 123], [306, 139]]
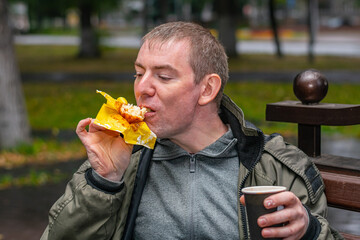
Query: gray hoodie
[[183, 191]]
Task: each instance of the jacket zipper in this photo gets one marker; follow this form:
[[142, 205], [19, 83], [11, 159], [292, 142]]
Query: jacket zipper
[[242, 208], [192, 169]]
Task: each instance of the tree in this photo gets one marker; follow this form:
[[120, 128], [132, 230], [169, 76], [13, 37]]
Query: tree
[[274, 27], [89, 44], [312, 22], [227, 11], [40, 11], [14, 126]]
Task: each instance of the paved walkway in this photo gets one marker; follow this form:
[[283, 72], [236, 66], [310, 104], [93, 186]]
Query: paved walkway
[[328, 43], [24, 211]]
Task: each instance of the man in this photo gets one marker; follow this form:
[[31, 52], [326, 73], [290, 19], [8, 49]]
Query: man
[[189, 186]]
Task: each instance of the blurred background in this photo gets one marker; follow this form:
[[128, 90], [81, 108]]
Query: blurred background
[[55, 54]]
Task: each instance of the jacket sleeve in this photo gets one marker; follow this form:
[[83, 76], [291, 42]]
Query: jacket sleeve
[[84, 211], [298, 173]]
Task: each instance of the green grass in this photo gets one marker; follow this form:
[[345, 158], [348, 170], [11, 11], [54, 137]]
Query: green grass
[[252, 97], [42, 152], [33, 178], [261, 62], [38, 58], [62, 105]]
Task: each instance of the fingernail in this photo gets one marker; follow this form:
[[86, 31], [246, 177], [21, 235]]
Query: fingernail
[[262, 221], [269, 203], [266, 232]]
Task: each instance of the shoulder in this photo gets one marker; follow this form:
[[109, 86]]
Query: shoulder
[[287, 157]]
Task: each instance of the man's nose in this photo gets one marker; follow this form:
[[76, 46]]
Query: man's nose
[[145, 86]]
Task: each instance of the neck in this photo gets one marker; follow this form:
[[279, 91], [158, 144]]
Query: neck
[[202, 133]]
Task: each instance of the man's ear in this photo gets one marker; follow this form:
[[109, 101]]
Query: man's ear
[[211, 85]]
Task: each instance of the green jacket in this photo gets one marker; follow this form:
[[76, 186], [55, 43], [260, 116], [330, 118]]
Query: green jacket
[[89, 210]]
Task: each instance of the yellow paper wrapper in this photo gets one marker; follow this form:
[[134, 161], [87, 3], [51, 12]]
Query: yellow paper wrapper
[[134, 133]]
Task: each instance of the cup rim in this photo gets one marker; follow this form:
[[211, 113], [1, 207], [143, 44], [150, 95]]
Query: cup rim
[[263, 189]]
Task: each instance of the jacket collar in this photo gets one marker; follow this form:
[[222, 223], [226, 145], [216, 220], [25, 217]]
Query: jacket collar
[[250, 139]]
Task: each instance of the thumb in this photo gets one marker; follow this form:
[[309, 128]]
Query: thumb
[[242, 200], [81, 127]]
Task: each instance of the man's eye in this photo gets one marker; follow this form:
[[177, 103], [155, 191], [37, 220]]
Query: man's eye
[[163, 77], [138, 75]]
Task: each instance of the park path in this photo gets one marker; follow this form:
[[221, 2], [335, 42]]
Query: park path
[[335, 43], [24, 211]]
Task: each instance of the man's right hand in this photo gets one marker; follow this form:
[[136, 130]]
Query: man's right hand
[[107, 151]]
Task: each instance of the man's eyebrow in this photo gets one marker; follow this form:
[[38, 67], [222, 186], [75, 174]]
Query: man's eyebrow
[[139, 65], [158, 67], [165, 66]]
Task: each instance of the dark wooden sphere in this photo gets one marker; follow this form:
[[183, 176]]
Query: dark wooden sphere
[[310, 86]]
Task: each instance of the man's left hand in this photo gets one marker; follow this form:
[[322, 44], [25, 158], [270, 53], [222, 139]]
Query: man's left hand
[[294, 217]]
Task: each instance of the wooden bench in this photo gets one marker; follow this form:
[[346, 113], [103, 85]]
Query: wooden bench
[[341, 174]]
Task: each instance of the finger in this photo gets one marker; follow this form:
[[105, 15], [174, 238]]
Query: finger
[[280, 199], [242, 200], [277, 217], [295, 213], [95, 127], [290, 231], [81, 127]]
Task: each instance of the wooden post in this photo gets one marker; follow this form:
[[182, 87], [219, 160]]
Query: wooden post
[[309, 139]]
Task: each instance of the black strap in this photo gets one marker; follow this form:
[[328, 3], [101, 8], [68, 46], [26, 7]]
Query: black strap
[[141, 175]]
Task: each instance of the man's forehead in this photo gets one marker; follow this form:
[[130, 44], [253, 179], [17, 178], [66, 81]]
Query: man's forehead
[[160, 44]]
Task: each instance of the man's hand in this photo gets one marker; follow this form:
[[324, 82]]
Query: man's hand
[[107, 151], [294, 217]]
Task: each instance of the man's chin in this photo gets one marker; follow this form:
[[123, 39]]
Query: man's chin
[[153, 128]]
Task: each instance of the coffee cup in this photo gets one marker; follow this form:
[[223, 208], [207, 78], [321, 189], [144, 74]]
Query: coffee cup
[[254, 201]]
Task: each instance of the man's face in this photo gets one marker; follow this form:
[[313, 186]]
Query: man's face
[[165, 84]]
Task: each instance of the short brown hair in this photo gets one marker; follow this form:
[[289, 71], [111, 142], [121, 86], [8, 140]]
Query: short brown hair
[[207, 55]]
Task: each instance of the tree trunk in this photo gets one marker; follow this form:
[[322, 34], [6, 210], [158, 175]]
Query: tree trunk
[[274, 28], [227, 14], [89, 45], [312, 21], [164, 10], [145, 13], [14, 126]]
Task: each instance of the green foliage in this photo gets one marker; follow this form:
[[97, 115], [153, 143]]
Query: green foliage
[[36, 146], [262, 62], [32, 178], [39, 10], [62, 59], [26, 148], [252, 97], [62, 105]]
